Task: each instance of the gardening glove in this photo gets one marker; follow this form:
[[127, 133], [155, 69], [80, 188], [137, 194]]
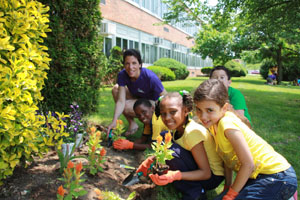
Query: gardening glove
[[230, 195], [166, 178], [145, 166], [123, 144]]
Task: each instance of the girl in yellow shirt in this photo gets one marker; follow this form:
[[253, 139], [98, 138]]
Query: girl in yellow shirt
[[262, 173]]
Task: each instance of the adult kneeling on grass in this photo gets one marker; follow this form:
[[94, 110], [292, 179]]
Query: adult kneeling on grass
[[133, 82]]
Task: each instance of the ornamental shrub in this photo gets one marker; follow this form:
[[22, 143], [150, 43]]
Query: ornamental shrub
[[163, 73], [206, 70], [264, 68], [23, 63], [180, 69], [114, 66], [235, 68], [75, 47]]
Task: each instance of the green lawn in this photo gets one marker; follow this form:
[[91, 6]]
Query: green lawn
[[273, 111]]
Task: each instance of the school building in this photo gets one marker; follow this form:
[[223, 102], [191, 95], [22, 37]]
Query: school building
[[138, 24]]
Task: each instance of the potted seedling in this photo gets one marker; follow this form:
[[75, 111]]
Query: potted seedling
[[162, 153]]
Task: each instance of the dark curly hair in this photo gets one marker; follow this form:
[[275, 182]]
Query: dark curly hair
[[186, 98]]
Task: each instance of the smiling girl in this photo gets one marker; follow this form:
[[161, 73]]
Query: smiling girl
[[262, 173], [195, 167]]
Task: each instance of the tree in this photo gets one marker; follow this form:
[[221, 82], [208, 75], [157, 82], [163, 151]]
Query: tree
[[233, 26], [75, 47]]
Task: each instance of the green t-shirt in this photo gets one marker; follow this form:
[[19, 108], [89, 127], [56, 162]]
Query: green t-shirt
[[237, 100]]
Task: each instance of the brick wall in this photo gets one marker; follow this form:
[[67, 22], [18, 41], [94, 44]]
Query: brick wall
[[127, 14]]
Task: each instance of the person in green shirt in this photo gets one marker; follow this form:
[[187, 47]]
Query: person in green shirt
[[236, 98]]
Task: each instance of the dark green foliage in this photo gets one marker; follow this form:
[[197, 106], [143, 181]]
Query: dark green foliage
[[235, 68], [163, 73], [178, 68], [264, 68], [75, 48], [206, 70], [114, 65]]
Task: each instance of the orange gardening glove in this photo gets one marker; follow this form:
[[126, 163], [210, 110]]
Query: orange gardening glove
[[230, 195], [166, 178], [145, 166], [123, 144]]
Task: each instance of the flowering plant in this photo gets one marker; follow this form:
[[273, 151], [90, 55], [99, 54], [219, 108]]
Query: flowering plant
[[161, 149], [71, 177], [75, 124], [96, 153], [108, 195], [118, 130]]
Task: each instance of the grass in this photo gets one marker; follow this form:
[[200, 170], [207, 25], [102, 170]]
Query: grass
[[273, 111]]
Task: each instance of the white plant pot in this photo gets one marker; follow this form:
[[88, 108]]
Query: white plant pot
[[67, 146], [79, 140]]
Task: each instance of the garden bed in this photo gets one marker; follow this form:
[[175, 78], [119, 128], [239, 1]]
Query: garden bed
[[40, 179]]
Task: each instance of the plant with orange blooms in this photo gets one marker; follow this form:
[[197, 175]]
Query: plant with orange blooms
[[118, 130], [96, 153], [72, 179], [108, 195], [161, 149]]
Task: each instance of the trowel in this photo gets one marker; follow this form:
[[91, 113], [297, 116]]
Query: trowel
[[109, 142], [132, 179]]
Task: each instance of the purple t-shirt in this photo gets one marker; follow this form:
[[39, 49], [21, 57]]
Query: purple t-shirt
[[147, 85]]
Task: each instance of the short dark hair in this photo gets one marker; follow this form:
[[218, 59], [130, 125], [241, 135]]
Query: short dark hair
[[132, 52], [220, 67], [144, 102]]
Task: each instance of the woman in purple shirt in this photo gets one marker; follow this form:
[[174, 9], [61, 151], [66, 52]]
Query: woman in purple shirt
[[133, 82]]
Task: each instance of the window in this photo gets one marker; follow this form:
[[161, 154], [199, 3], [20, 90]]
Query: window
[[107, 46], [136, 45], [125, 44], [119, 42], [131, 44]]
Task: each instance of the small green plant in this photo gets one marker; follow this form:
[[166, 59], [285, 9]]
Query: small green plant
[[96, 153], [72, 179], [162, 151], [118, 130], [108, 195]]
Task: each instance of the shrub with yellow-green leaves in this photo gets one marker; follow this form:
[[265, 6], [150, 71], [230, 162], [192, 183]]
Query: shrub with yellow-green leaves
[[23, 65]]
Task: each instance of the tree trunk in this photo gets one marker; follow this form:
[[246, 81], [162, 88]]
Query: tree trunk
[[279, 64]]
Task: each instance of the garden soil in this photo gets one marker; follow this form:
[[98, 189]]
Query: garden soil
[[39, 181]]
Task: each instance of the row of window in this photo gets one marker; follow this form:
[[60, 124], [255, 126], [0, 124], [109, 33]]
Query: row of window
[[151, 53], [158, 8]]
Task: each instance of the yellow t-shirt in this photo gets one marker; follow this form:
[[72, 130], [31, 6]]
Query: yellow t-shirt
[[157, 127], [195, 133], [266, 159]]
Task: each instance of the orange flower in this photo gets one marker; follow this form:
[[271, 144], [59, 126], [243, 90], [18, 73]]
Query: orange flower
[[98, 193], [98, 134], [70, 165], [93, 148], [61, 191], [103, 152], [78, 168], [93, 129], [168, 137], [119, 122], [159, 139]]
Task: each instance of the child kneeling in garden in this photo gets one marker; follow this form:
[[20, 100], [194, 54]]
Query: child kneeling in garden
[[153, 126], [262, 173], [195, 167]]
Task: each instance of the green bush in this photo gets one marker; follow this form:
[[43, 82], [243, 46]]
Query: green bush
[[178, 68], [206, 70], [163, 73], [75, 46], [264, 68], [114, 66], [23, 63], [235, 68]]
